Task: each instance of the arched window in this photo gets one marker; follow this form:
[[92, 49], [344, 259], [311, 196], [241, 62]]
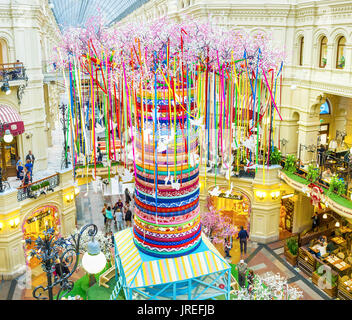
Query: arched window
[[3, 51], [301, 48], [323, 52], [340, 57], [325, 107]]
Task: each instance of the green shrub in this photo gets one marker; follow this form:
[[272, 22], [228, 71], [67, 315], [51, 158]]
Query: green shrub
[[292, 245], [337, 185], [275, 156], [313, 173], [44, 184], [35, 187], [290, 163]]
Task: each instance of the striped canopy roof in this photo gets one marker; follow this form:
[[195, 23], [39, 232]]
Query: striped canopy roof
[[11, 120], [140, 272]]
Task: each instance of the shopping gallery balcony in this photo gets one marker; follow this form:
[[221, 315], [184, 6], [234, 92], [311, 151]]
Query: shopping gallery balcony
[[12, 75], [333, 192]]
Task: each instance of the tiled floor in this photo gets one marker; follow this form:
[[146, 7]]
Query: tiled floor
[[270, 258]]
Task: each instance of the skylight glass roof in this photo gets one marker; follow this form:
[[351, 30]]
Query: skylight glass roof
[[74, 13]]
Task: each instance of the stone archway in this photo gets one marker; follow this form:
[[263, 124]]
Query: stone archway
[[234, 203], [33, 224]]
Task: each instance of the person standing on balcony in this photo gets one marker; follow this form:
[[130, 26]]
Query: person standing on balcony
[[69, 156], [29, 167], [30, 157], [19, 169], [26, 180]]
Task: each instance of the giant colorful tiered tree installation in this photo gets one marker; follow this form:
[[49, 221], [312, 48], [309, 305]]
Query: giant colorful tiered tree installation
[[179, 97]]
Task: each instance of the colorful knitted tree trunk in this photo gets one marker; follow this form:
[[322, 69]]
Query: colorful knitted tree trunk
[[167, 219]]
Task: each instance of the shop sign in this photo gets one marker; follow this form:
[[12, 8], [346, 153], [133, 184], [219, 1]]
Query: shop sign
[[40, 216]]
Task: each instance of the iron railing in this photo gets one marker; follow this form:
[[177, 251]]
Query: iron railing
[[37, 188], [12, 71]]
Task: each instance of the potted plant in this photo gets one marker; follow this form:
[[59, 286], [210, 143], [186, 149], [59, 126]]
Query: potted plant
[[275, 157], [338, 185], [313, 173], [324, 61], [291, 250], [290, 164], [35, 187]]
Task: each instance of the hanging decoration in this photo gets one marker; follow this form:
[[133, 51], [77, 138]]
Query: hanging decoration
[[168, 98], [316, 195]]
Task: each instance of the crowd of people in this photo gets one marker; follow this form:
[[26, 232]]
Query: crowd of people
[[120, 215]]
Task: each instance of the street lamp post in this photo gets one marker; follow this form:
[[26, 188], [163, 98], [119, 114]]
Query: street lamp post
[[49, 250], [63, 109]]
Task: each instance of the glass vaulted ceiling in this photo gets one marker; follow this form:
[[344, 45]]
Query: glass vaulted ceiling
[[74, 13]]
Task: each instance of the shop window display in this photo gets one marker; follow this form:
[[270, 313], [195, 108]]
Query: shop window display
[[8, 158], [235, 205], [34, 226]]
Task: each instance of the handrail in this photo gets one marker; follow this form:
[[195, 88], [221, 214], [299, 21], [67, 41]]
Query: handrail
[[35, 182], [12, 71], [319, 182], [14, 64], [28, 191]]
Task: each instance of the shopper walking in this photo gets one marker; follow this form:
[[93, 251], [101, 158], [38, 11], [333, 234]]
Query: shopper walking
[[127, 197], [128, 216], [243, 236], [99, 153], [109, 220], [242, 271], [103, 211], [120, 204], [119, 220]]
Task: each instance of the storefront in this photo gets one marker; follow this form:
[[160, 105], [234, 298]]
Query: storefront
[[38, 221], [9, 120], [323, 248], [235, 205], [8, 158]]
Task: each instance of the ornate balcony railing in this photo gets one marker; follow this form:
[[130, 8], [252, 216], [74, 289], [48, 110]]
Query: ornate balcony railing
[[37, 188], [12, 71]]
